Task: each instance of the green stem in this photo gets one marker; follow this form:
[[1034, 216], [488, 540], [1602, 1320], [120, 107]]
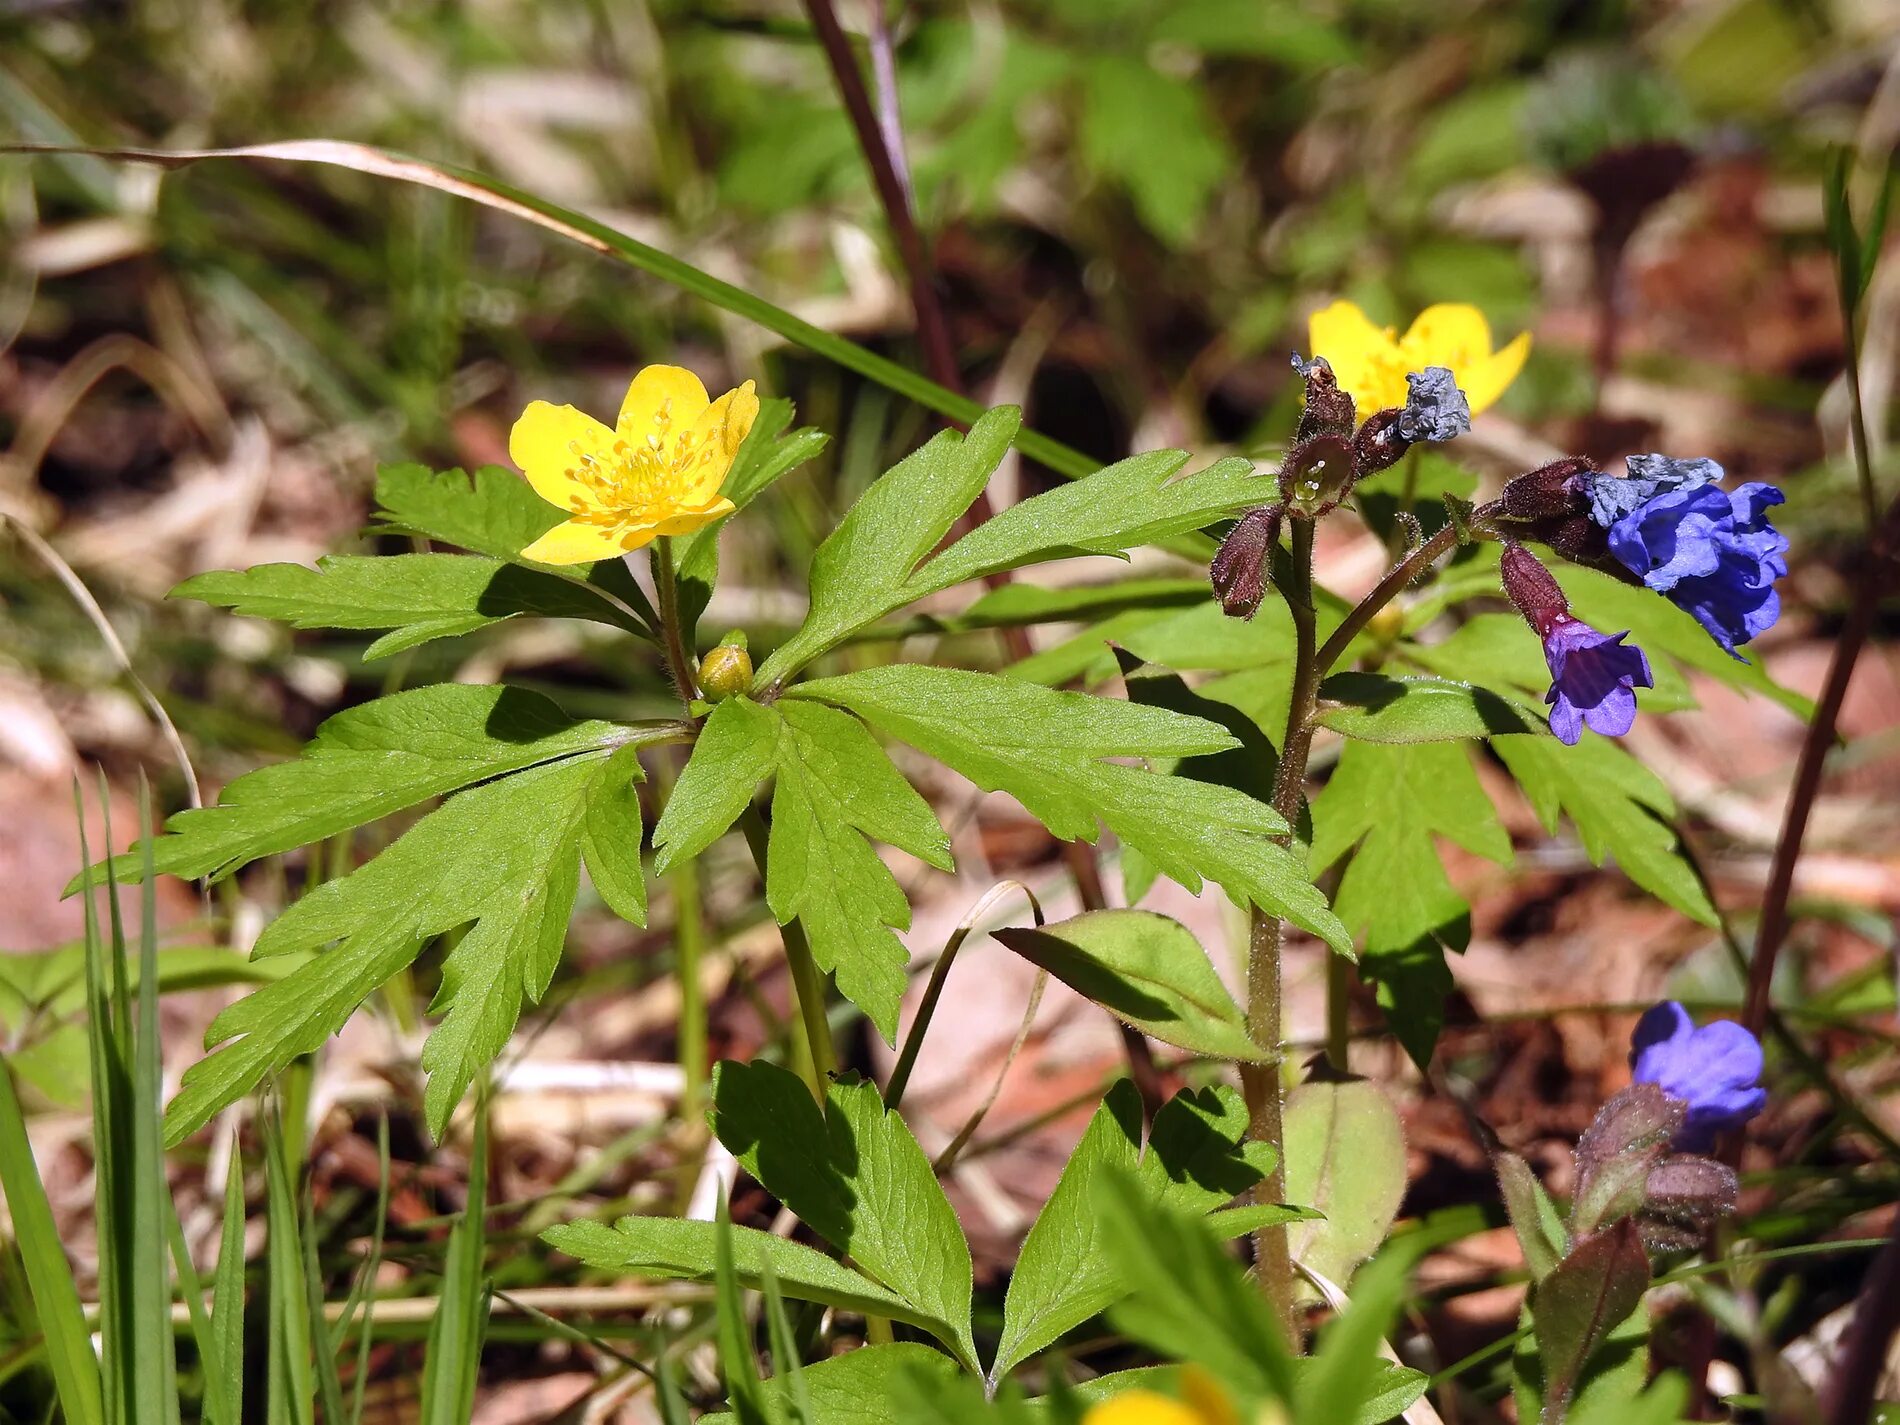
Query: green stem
[[808, 981], [1338, 998], [688, 943], [666, 591], [1387, 589]]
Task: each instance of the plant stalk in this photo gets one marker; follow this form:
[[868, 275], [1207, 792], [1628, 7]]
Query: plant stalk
[[666, 592], [1260, 1083], [808, 981]]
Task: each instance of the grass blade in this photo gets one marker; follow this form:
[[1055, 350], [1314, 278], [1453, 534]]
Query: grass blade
[[226, 1357], [153, 1386], [370, 1270], [290, 1390], [48, 1275], [322, 1347], [505, 198], [191, 1287], [744, 1391], [461, 1317], [788, 1372]]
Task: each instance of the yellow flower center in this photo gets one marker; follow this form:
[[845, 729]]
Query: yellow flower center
[[639, 478]]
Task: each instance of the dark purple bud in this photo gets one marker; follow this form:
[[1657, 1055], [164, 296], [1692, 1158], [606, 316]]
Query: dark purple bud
[[1641, 1116], [1435, 409], [1683, 1197], [1714, 1071], [1529, 586], [1552, 492], [1317, 474], [1378, 445], [1617, 1153], [1240, 572], [1328, 410]]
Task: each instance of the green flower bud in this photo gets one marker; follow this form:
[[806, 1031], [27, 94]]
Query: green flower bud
[[725, 672]]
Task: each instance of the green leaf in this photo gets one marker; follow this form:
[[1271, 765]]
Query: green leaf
[[1063, 1274], [1345, 1156], [502, 858], [1534, 1217], [766, 455], [1344, 1373], [1016, 605], [859, 572], [856, 1177], [674, 1248], [1577, 1307], [1659, 627], [1619, 807], [367, 762], [496, 513], [1372, 707], [417, 597], [735, 751], [1066, 1271], [835, 782], [1155, 135], [1392, 802], [868, 1386], [1045, 749], [1141, 500], [610, 836], [1146, 970], [1191, 1302]]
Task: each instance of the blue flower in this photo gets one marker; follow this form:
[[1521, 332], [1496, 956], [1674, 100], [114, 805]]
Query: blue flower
[[1715, 1070], [1612, 497], [1435, 409], [1593, 678], [1712, 552]]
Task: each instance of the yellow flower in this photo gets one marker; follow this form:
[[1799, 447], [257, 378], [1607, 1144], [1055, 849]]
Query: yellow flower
[[658, 471], [1371, 362], [1205, 1403]]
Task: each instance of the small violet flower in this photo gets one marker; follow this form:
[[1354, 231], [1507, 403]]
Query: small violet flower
[[1715, 1070], [1593, 679], [1435, 409], [1712, 552]]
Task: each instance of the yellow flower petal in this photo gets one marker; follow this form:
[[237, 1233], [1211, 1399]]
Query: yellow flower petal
[[1492, 378], [575, 542], [720, 432], [1453, 334], [546, 443], [663, 401], [1141, 1407], [1365, 358]]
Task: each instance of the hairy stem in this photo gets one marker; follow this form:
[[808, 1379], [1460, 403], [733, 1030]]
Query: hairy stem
[[1260, 1083], [1387, 589], [672, 638], [808, 981]]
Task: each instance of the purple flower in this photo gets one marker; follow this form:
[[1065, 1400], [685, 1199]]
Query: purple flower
[[1715, 1070], [1712, 552], [1646, 477], [1435, 409], [1593, 678]]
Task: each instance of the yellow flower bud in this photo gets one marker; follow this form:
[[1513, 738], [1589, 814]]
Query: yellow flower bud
[[725, 672]]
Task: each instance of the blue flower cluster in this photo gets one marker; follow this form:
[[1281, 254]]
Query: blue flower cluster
[[1710, 551], [1714, 1070]]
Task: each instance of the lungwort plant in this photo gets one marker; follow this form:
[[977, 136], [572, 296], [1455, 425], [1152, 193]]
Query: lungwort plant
[[1175, 730]]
